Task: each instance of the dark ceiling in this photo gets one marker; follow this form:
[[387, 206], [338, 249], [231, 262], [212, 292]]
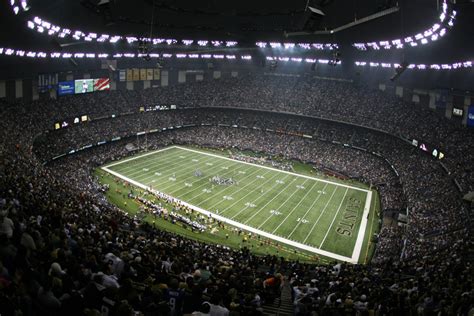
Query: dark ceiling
[[245, 21], [229, 19]]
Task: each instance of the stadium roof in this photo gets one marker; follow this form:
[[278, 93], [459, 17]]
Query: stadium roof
[[243, 21], [238, 20]]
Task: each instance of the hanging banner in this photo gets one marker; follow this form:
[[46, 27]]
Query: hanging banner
[[149, 74], [143, 74], [101, 84], [136, 74], [156, 74], [47, 82], [122, 75], [129, 75]]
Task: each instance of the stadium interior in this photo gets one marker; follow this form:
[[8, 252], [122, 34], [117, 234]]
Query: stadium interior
[[312, 157]]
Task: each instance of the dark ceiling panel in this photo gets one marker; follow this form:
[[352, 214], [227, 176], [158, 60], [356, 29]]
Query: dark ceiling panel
[[417, 15]]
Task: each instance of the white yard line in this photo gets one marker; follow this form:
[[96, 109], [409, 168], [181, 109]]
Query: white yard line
[[294, 208], [167, 185], [206, 183], [291, 195], [228, 187], [155, 163], [334, 218], [233, 193], [138, 164], [263, 207], [309, 209], [362, 228], [248, 193], [268, 191], [229, 169], [140, 156], [278, 170], [370, 230], [190, 177], [320, 215], [240, 225]]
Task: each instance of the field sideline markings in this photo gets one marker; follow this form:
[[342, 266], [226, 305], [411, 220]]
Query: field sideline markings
[[152, 162], [262, 195], [140, 156], [362, 228], [291, 195], [145, 177], [278, 170], [334, 218], [363, 224], [167, 185], [228, 187], [370, 231], [193, 177], [251, 192], [321, 214], [263, 207], [307, 211], [294, 208], [238, 161], [222, 189], [178, 165], [240, 225], [207, 183], [240, 189]]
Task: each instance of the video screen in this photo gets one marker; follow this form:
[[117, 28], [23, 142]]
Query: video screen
[[84, 86], [66, 87]]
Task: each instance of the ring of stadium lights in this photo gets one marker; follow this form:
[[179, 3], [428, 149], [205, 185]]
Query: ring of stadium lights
[[18, 5], [45, 27], [432, 34], [299, 60], [305, 46], [42, 26], [459, 65], [78, 55]]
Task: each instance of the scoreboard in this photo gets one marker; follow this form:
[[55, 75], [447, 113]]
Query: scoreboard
[[81, 86], [84, 86]]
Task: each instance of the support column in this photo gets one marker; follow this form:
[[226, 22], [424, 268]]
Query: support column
[[18, 88], [399, 91], [3, 89], [164, 78], [181, 76]]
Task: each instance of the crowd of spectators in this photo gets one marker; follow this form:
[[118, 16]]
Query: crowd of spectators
[[422, 188], [64, 249], [300, 94]]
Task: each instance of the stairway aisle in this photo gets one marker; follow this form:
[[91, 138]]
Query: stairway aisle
[[282, 306]]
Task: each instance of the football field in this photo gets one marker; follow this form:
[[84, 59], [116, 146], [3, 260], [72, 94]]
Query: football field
[[313, 214]]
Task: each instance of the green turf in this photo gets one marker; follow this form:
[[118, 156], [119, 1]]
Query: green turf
[[226, 236], [307, 211]]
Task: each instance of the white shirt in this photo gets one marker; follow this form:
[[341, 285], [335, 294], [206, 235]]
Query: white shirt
[[217, 310], [6, 227]]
